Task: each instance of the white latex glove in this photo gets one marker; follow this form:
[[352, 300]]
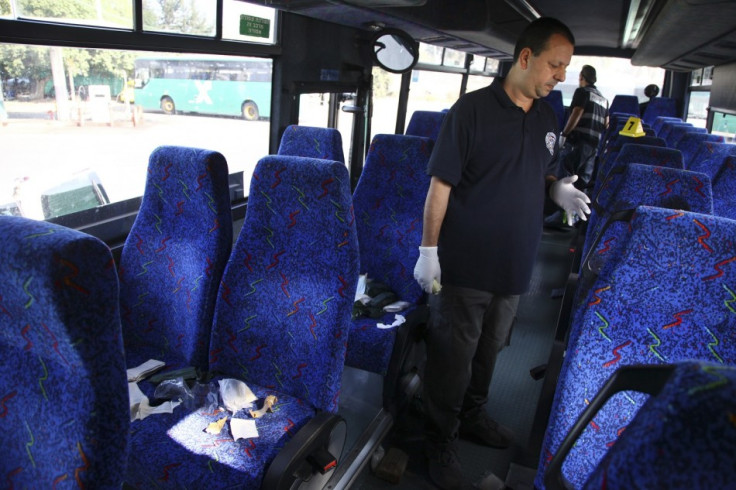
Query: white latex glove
[[427, 271], [573, 201]]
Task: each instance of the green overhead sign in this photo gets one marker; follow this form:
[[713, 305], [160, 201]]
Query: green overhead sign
[[254, 26]]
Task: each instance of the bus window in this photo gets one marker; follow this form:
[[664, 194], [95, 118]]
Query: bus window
[[725, 125], [102, 14], [248, 22], [697, 109], [386, 86], [616, 76], [53, 141], [314, 110], [196, 17], [433, 91]]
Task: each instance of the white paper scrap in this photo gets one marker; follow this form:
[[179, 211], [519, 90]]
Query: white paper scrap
[[398, 320], [243, 428], [148, 367]]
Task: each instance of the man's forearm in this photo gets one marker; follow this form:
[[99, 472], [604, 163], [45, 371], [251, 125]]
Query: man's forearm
[[435, 208]]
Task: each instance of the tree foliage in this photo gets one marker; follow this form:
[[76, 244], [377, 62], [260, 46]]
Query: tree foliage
[[182, 16]]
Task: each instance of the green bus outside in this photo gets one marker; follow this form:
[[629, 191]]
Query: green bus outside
[[215, 85]]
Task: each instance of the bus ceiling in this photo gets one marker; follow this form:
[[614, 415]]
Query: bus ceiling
[[679, 35]]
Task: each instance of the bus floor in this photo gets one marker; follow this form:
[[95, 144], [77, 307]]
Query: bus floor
[[513, 393]]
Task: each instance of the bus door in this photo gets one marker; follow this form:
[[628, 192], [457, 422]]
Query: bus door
[[344, 108]]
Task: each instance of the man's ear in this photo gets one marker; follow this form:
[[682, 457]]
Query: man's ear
[[524, 56]]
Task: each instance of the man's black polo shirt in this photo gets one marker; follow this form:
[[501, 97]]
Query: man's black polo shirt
[[496, 157]]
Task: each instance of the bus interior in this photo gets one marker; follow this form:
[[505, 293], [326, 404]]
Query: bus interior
[[355, 72]]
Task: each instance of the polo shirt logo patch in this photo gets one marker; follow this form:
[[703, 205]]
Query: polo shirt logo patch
[[550, 140]]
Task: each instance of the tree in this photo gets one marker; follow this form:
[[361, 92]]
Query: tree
[[176, 16]]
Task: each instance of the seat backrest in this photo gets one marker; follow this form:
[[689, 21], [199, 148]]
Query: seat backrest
[[668, 126], [389, 206], [710, 157], [284, 306], [608, 156], [63, 390], [554, 99], [641, 185], [649, 154], [690, 143], [659, 106], [628, 104], [426, 124], [690, 423], [661, 120], [173, 258], [678, 132], [664, 299], [312, 142], [724, 189]]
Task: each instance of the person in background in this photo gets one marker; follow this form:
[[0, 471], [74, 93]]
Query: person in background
[[651, 91], [492, 163], [581, 135]]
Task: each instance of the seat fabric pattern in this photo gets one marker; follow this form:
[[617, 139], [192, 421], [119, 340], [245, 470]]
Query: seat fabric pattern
[[642, 185], [682, 438], [724, 189], [281, 326], [659, 106], [312, 142], [679, 132], [661, 120], [389, 206], [626, 104], [554, 99], [667, 128], [63, 396], [690, 143], [426, 124], [666, 298], [710, 157], [173, 258]]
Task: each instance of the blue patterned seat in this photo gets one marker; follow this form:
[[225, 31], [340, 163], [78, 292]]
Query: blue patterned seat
[[389, 205], [281, 326], [665, 298], [312, 142], [613, 148], [668, 126], [678, 132], [634, 153], [659, 106], [639, 185], [554, 99], [626, 104], [659, 121], [64, 414], [426, 124], [710, 157], [173, 258], [682, 437], [690, 143], [724, 189]]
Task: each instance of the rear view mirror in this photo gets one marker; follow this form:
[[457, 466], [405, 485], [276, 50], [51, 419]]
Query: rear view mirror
[[394, 50]]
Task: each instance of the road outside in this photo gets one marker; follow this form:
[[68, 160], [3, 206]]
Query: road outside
[[39, 152]]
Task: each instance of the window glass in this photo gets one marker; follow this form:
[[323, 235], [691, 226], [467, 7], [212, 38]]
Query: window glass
[[5, 9], [195, 17], [476, 82], [430, 54], [433, 91], [81, 123], [454, 58], [314, 110], [615, 76], [243, 21], [107, 13], [725, 125], [386, 87], [697, 110]]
